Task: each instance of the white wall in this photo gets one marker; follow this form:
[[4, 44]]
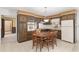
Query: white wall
[[7, 12], [77, 24]]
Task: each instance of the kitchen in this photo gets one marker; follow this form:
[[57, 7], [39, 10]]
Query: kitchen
[[62, 22], [54, 23]]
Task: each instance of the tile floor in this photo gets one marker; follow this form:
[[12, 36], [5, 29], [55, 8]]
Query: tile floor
[[10, 44]]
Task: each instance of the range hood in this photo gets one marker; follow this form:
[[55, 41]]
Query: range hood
[[47, 23]]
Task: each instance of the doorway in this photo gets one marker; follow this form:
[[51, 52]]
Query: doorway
[[7, 26]]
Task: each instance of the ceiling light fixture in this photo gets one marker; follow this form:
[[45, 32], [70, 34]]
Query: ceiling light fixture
[[45, 18]]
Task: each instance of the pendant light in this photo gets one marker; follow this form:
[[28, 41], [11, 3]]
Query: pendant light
[[45, 19]]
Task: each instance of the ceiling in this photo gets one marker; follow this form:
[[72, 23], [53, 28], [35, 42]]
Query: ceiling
[[42, 11]]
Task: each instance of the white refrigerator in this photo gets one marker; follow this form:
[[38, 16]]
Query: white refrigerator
[[67, 30]]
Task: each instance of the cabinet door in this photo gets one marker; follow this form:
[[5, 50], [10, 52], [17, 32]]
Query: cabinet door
[[2, 28], [22, 18], [59, 34], [22, 32], [29, 35]]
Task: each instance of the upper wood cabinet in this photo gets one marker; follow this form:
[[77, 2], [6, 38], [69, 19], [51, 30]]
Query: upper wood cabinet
[[22, 18], [68, 17]]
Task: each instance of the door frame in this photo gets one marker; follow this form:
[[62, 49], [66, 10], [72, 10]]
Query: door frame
[[3, 19]]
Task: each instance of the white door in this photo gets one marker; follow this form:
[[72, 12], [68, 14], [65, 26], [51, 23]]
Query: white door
[[67, 30]]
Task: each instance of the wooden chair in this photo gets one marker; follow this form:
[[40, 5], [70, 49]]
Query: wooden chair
[[46, 41], [43, 42], [36, 40], [50, 40], [55, 37]]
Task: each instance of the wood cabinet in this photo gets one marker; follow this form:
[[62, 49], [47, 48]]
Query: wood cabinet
[[22, 28], [29, 35], [2, 28], [59, 34], [68, 17], [22, 18]]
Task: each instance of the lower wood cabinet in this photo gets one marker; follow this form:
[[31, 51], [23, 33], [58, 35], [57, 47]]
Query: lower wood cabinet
[[29, 35], [22, 32], [59, 34]]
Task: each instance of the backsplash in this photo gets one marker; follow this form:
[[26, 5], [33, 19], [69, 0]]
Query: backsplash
[[55, 23]]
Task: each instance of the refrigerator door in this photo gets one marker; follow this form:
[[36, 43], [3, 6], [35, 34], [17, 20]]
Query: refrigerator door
[[67, 30]]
